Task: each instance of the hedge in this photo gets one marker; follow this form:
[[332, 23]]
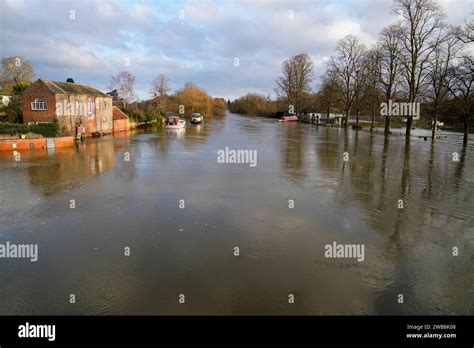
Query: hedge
[[45, 129]]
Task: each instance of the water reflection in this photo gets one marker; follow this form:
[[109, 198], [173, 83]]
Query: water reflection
[[460, 159], [293, 150], [135, 202], [71, 166]]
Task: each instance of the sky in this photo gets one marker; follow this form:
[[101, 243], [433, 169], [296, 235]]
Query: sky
[[195, 41]]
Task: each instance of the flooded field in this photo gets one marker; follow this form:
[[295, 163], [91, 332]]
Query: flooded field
[[182, 214]]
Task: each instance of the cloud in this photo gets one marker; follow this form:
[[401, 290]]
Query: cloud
[[201, 47]]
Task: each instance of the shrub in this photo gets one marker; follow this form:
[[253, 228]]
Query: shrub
[[133, 115], [45, 129], [152, 116], [13, 128], [48, 130]]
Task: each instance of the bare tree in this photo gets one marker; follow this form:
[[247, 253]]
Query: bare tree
[[421, 31], [372, 83], [390, 68], [160, 89], [466, 32], [361, 81], [295, 82], [329, 91], [303, 77], [285, 85], [443, 58], [124, 83], [15, 71], [160, 86], [346, 65], [461, 86]]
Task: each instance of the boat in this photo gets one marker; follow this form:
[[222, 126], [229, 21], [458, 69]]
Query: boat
[[288, 118], [196, 118], [174, 122]]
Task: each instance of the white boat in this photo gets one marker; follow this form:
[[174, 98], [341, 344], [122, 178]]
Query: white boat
[[196, 118], [174, 122], [288, 118]]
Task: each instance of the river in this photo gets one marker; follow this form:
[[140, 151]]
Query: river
[[128, 224]]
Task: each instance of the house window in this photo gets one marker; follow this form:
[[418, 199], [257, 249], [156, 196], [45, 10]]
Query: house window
[[38, 104], [89, 107]]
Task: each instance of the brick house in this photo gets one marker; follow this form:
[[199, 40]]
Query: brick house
[[121, 120], [72, 105]]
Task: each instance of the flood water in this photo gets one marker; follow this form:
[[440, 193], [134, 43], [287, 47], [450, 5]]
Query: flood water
[[190, 250]]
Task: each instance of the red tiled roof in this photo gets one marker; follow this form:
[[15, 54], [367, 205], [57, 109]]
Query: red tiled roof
[[119, 114]]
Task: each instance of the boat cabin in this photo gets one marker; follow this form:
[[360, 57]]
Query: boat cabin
[[172, 120]]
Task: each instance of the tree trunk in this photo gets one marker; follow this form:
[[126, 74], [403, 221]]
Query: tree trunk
[[327, 113], [409, 123], [372, 125], [412, 97], [435, 121], [466, 131], [346, 120], [387, 125]]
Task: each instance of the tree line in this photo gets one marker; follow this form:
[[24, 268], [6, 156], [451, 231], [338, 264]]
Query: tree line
[[419, 59], [185, 101]]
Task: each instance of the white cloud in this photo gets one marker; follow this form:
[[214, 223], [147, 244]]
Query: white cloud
[[200, 47]]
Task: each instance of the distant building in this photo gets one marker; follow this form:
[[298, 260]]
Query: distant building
[[121, 120], [321, 118], [73, 106]]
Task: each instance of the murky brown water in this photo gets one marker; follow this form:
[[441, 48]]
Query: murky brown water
[[190, 251]]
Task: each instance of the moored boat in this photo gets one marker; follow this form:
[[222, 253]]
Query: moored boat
[[174, 122], [196, 118], [288, 118]]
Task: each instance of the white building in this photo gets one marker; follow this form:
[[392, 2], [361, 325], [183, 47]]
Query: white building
[[321, 118]]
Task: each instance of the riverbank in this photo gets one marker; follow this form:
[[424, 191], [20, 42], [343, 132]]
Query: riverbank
[[36, 143], [31, 141]]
